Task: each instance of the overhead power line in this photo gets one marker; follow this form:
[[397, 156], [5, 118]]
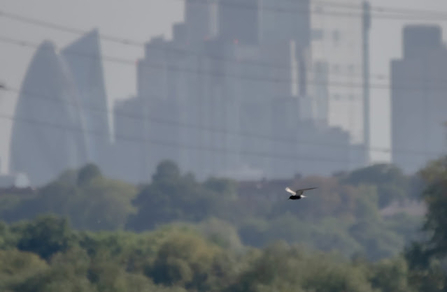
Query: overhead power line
[[143, 117], [378, 9], [130, 42], [25, 43], [173, 68], [189, 71], [385, 9], [441, 83], [393, 13], [135, 43], [164, 66], [144, 141]]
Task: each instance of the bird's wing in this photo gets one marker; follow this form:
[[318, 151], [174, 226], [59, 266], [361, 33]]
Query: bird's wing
[[308, 189], [290, 191]]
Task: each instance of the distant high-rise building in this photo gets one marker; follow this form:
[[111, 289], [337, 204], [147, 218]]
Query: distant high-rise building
[[66, 94], [329, 62], [339, 57], [284, 20], [130, 147], [245, 88], [84, 61], [421, 40], [48, 131], [179, 93], [239, 21], [201, 20], [418, 98]]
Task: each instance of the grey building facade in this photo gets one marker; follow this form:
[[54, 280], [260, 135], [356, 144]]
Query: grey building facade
[[62, 115], [48, 134], [233, 93], [418, 98]]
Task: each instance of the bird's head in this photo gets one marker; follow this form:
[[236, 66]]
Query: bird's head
[[303, 196]]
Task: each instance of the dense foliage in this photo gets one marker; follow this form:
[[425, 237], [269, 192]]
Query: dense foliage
[[343, 214], [47, 255], [179, 234]]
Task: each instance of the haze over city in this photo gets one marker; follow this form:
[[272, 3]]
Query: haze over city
[[143, 20], [223, 145]]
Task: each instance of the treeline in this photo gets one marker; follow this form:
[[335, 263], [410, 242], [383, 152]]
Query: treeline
[[46, 255], [202, 235], [343, 214]]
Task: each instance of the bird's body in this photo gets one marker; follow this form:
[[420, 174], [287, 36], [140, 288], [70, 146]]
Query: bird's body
[[298, 194], [296, 197]]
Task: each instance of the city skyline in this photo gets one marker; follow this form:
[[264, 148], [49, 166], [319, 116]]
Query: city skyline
[[153, 145], [231, 80], [4, 160]]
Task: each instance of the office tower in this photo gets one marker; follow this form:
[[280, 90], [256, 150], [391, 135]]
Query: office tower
[[339, 60], [247, 87], [201, 20], [283, 20], [48, 132], [84, 61], [239, 21], [418, 100], [130, 146]]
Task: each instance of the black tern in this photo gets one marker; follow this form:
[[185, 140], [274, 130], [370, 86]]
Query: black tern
[[298, 194]]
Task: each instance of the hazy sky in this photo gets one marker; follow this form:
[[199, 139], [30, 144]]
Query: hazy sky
[[142, 19]]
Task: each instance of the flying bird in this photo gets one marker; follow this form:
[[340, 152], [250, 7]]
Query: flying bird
[[298, 194]]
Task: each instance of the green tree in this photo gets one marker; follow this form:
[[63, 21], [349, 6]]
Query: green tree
[[103, 204], [390, 181], [435, 178], [291, 268], [89, 200], [174, 197], [166, 171], [221, 233], [17, 266], [391, 275], [427, 273], [8, 240], [189, 261], [88, 173], [45, 236]]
